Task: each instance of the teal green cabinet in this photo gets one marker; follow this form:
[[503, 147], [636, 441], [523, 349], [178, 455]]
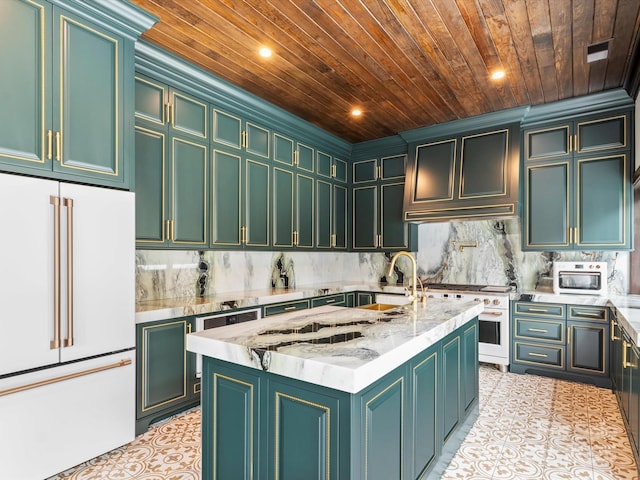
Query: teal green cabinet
[[471, 174], [293, 203], [165, 372], [60, 70], [577, 185], [285, 307], [568, 341], [377, 218], [331, 215], [163, 105], [241, 183], [172, 189], [260, 425]]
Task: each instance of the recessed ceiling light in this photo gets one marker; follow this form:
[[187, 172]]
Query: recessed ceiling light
[[497, 75], [356, 112], [265, 52]]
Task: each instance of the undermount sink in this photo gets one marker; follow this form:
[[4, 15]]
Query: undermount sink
[[379, 307]]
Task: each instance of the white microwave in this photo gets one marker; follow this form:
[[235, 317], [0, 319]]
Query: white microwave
[[588, 278]]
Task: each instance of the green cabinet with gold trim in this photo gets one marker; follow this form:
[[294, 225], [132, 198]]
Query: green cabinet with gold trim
[[577, 184], [165, 372], [67, 110], [265, 426]]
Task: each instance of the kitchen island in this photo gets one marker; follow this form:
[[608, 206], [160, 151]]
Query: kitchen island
[[339, 393]]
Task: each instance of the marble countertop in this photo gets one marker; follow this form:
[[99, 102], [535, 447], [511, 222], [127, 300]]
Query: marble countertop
[[364, 344], [149, 311]]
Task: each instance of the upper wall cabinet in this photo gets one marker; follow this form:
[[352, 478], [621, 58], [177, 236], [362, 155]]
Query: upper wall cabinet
[[67, 85], [577, 184], [461, 171], [163, 105]]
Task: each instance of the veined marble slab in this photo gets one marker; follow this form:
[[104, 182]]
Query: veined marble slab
[[342, 348], [544, 297], [152, 310]]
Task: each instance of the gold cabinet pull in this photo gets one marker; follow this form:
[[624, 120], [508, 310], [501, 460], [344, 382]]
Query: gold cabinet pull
[[295, 157], [55, 343], [49, 144], [173, 230], [295, 238], [331, 300], [613, 335], [538, 330], [334, 240], [243, 235], [333, 171], [587, 314], [625, 363], [188, 328], [539, 310], [244, 141], [172, 107], [575, 236], [58, 146], [292, 307], [534, 354], [68, 203], [168, 230]]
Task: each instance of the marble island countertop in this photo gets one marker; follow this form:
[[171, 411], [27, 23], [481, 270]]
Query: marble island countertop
[[341, 348]]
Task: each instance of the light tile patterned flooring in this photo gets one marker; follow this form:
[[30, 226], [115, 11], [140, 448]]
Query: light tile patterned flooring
[[529, 428]]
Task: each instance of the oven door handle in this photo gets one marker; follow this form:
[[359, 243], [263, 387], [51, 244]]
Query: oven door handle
[[493, 314]]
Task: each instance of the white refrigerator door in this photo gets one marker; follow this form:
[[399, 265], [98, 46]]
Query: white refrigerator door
[[103, 282], [26, 279]]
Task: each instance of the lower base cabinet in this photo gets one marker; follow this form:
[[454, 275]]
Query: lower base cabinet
[[406, 425], [166, 380], [625, 377]]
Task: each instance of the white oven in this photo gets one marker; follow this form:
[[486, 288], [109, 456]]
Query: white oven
[[220, 320], [493, 322]]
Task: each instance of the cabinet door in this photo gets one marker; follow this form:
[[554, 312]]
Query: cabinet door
[[588, 347], [546, 219], [188, 115], [283, 150], [189, 193], [226, 199], [634, 397], [434, 170], [151, 98], [365, 171], [150, 185], [91, 79], [424, 381], [393, 167], [257, 201], [365, 218], [323, 214], [601, 134], [602, 207], [340, 217], [305, 158], [469, 367], [26, 114], [257, 142], [282, 208], [227, 129], [450, 386], [162, 365], [547, 143], [324, 165], [392, 227], [305, 212], [340, 170]]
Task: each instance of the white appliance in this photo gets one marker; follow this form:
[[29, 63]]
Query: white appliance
[[67, 306], [588, 278], [493, 322], [220, 320]]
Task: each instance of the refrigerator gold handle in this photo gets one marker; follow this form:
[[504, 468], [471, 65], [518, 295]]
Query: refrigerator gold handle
[[49, 144], [49, 381], [55, 343], [68, 203]]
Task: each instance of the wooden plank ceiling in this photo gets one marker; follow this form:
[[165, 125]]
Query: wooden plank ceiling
[[405, 63]]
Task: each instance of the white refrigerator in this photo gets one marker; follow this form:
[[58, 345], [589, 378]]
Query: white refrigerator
[[67, 338]]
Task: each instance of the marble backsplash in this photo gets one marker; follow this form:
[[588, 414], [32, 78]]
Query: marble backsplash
[[441, 257]]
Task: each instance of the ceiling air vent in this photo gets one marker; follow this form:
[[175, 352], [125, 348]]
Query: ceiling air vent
[[597, 51]]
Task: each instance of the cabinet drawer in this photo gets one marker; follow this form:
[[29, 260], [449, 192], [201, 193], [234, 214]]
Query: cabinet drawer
[[552, 331], [337, 299], [591, 314], [548, 356], [276, 308], [546, 309]]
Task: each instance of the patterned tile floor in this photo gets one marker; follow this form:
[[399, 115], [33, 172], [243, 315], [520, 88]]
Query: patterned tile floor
[[529, 428]]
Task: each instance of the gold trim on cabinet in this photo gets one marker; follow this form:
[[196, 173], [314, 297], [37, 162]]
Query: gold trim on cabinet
[[542, 130], [192, 100], [164, 103], [58, 147], [68, 203], [555, 323], [143, 371], [216, 377], [268, 197], [505, 167], [366, 428], [614, 324], [603, 346], [624, 200], [600, 120], [214, 203], [62, 378], [509, 210], [375, 171], [276, 432], [559, 348], [452, 174], [434, 355], [116, 56], [49, 144], [55, 343]]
